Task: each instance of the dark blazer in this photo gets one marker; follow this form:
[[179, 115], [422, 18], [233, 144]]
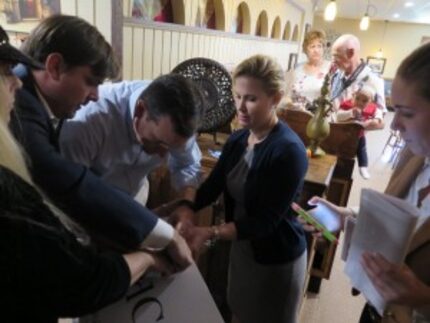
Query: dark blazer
[[107, 212], [274, 180], [44, 272]]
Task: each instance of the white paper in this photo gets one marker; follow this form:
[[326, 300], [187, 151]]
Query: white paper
[[385, 225], [184, 298], [326, 217]]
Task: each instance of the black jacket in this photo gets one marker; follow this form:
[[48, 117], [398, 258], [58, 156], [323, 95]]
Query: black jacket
[[44, 272], [100, 208]]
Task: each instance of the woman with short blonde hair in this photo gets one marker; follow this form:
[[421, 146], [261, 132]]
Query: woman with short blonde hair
[[260, 172], [305, 81]]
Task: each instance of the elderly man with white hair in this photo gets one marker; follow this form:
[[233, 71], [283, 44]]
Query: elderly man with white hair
[[352, 73]]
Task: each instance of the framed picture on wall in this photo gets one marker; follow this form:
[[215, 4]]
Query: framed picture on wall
[[17, 11], [292, 61], [377, 64]]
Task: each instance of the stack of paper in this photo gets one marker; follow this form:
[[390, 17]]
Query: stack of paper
[[385, 225]]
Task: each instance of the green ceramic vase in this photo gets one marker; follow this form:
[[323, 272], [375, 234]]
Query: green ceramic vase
[[317, 129]]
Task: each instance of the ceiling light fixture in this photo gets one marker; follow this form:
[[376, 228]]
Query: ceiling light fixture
[[409, 4], [380, 53], [365, 21], [396, 15], [330, 11]]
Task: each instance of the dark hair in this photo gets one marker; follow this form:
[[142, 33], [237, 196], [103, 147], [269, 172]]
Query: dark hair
[[415, 70], [177, 97], [76, 40]]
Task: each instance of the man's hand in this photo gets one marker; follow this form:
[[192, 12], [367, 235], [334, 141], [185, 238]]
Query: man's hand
[[396, 283], [182, 219], [372, 124], [179, 252], [197, 238]]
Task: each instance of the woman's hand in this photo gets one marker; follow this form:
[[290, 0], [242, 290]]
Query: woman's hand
[[197, 238], [341, 212], [396, 283]]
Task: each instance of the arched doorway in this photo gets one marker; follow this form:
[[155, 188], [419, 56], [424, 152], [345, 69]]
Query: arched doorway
[[276, 28], [262, 26], [241, 23], [287, 31]]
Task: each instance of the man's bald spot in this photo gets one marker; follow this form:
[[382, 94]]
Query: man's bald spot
[[346, 42]]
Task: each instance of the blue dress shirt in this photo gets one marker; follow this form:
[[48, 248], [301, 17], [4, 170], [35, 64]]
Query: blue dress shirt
[[101, 136]]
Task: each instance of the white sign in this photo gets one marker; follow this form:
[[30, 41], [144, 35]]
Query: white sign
[[182, 298]]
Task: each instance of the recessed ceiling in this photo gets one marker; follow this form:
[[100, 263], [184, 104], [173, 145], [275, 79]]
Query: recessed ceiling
[[415, 11]]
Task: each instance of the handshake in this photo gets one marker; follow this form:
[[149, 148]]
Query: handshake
[[189, 240]]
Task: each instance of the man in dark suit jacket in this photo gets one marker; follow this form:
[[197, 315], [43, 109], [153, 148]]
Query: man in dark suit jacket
[[77, 59]]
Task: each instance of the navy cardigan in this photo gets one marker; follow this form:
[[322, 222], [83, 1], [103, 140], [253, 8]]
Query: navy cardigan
[[274, 180]]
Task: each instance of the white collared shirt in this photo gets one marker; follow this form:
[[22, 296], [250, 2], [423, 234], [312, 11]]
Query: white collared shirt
[[54, 120]]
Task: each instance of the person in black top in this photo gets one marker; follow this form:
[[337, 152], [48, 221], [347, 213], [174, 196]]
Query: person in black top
[[45, 272]]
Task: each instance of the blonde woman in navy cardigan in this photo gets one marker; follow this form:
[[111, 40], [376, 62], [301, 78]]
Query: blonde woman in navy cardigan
[[260, 172]]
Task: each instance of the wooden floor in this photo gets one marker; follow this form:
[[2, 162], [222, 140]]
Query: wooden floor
[[335, 304]]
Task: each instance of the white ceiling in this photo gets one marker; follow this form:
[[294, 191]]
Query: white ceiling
[[417, 12]]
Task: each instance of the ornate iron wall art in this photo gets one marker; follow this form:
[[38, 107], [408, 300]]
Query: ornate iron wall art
[[216, 85]]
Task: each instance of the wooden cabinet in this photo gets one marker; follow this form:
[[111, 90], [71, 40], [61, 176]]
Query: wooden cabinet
[[342, 143]]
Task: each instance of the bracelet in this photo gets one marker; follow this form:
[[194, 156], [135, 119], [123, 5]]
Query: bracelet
[[211, 242], [215, 233]]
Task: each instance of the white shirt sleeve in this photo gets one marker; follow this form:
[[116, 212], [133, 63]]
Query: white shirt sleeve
[[159, 237]]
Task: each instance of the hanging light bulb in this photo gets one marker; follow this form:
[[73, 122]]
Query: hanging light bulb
[[379, 53], [364, 23], [330, 11]]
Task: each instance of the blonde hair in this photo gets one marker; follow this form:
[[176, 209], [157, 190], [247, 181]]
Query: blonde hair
[[367, 90], [11, 155], [415, 71], [314, 35], [265, 69]]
